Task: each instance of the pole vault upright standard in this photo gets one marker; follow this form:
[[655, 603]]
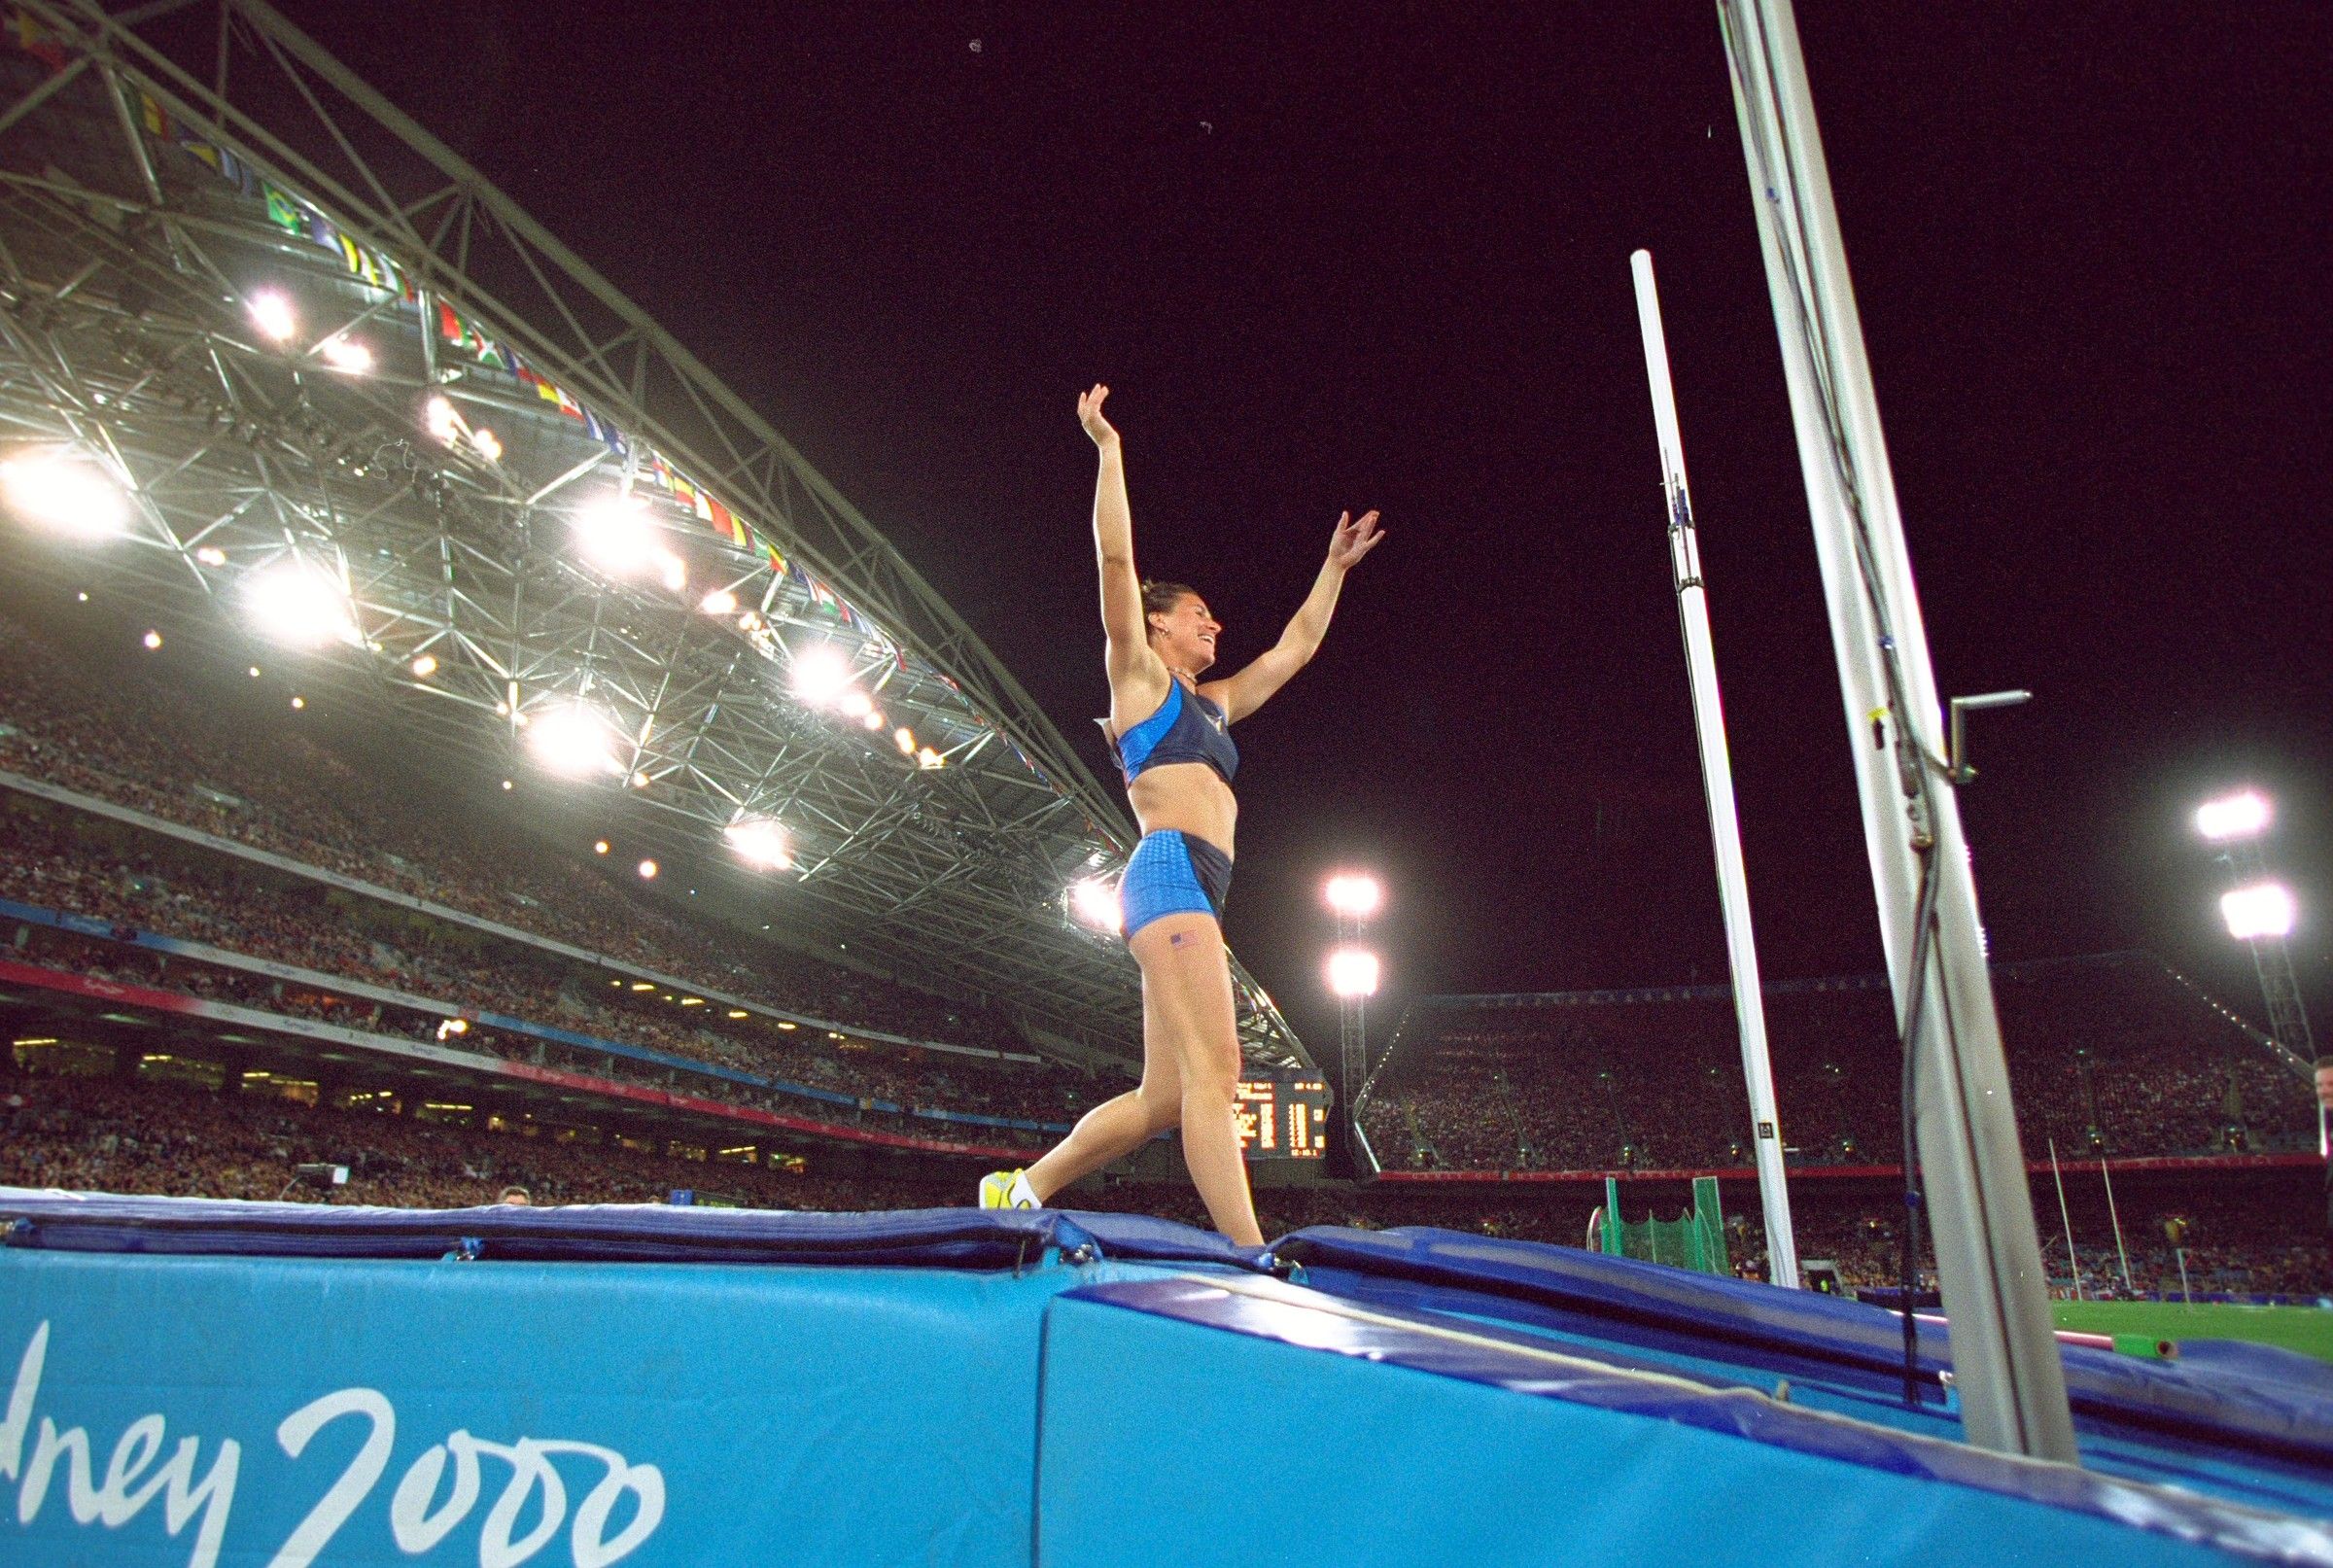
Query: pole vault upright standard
[[1717, 780], [2004, 1352]]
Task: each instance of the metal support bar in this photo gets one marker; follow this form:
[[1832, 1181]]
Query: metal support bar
[[2004, 1352]]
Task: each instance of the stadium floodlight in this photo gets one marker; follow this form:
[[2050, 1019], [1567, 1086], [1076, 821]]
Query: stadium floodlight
[[2263, 909], [1355, 895], [64, 493], [760, 843], [1094, 902], [300, 605], [929, 760], [647, 871], [856, 704], [345, 354], [720, 602], [443, 420], [210, 555], [1353, 973], [425, 666], [574, 740], [822, 674], [615, 534], [151, 640], [273, 314], [872, 720], [904, 739], [487, 444], [2242, 815]]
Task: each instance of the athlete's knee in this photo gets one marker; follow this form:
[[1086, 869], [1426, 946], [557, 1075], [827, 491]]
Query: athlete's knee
[[1212, 1073], [1160, 1110]]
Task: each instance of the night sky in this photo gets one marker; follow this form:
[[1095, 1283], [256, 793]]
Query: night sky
[[1327, 260]]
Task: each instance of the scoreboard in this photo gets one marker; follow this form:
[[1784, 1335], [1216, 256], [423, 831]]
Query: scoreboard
[[1284, 1118]]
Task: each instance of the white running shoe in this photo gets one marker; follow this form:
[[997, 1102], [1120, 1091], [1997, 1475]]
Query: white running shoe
[[1007, 1189]]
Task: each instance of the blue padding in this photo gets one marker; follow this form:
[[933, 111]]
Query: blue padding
[[646, 1233], [811, 1415], [1766, 1326], [1422, 1444]]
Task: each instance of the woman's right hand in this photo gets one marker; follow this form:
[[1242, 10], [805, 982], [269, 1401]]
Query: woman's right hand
[[1089, 414]]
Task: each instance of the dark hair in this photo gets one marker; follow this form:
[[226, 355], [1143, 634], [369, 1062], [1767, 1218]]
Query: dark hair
[[1160, 598]]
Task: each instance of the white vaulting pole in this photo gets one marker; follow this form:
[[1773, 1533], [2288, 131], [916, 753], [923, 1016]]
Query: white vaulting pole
[[1717, 780]]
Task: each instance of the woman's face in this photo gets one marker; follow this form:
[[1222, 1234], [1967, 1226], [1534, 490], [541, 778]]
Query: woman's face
[[1185, 636]]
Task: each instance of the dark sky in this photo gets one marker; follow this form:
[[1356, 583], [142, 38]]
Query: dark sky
[[1330, 258]]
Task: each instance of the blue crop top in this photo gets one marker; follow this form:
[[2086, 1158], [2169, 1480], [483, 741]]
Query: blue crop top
[[1184, 729]]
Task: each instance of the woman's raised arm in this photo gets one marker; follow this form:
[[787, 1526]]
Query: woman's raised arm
[[1114, 542]]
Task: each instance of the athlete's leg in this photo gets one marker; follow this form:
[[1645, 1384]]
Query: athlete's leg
[[1186, 971], [1117, 1127]]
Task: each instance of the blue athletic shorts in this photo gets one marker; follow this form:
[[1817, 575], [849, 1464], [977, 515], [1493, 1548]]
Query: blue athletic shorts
[[1173, 873]]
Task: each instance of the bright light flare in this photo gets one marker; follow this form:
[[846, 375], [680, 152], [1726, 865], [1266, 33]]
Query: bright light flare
[[928, 760], [761, 844], [1356, 895], [647, 871], [487, 444], [151, 640], [821, 675], [1094, 902], [2265, 909], [345, 354], [300, 604], [573, 740], [720, 602], [856, 704], [211, 555], [273, 314], [1353, 973], [425, 666], [616, 536], [904, 739], [2242, 815], [63, 495], [444, 422]]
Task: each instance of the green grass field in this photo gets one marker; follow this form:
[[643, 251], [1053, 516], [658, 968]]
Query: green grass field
[[2305, 1328]]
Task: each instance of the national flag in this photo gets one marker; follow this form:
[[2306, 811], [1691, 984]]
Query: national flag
[[157, 123], [284, 212], [37, 40]]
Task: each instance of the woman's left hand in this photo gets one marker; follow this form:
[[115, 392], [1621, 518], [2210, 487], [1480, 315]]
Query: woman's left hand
[[1353, 540]]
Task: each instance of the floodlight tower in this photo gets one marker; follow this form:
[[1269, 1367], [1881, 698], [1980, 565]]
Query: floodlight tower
[[1354, 898], [2260, 913]]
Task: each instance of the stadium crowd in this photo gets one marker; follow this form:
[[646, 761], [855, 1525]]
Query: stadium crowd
[[199, 764], [56, 859], [117, 874], [2112, 1056], [140, 1134]]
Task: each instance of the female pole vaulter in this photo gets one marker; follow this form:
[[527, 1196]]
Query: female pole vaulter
[[1172, 737]]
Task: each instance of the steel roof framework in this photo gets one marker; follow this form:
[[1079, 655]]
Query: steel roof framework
[[127, 269]]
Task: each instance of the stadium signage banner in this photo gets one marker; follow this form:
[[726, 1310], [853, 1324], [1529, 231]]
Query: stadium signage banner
[[234, 1411], [59, 1472]]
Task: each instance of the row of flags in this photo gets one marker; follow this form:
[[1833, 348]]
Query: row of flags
[[471, 343]]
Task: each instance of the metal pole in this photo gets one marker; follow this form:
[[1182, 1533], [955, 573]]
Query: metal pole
[[2064, 1223], [2115, 1220], [1716, 781], [2011, 1386]]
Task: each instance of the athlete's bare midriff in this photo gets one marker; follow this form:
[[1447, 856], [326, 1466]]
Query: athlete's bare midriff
[[1188, 797]]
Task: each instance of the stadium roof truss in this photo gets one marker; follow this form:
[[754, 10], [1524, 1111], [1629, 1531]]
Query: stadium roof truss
[[149, 223]]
